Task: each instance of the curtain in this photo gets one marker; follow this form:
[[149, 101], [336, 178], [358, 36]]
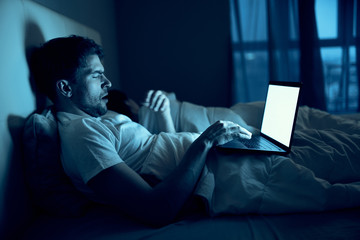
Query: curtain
[[265, 46], [311, 72], [278, 40], [357, 45]]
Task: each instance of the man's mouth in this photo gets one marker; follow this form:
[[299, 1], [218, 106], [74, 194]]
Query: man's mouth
[[105, 97]]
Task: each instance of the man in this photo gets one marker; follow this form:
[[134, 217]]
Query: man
[[107, 156], [104, 153]]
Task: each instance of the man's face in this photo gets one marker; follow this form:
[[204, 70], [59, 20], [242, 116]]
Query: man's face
[[91, 88]]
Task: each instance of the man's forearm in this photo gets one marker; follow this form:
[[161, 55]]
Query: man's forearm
[[177, 187], [165, 122]]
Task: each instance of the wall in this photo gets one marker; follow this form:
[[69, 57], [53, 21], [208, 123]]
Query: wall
[[23, 25], [99, 15], [179, 46], [15, 101]]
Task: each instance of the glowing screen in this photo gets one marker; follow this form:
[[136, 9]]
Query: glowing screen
[[279, 113]]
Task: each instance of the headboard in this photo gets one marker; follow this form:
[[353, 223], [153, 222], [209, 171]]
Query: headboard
[[23, 25]]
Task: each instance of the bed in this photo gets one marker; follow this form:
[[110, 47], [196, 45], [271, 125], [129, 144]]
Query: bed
[[69, 216], [47, 206]]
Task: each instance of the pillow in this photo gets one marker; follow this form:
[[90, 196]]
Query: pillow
[[51, 189]]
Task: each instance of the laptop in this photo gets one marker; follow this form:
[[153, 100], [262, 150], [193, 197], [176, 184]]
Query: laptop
[[278, 121]]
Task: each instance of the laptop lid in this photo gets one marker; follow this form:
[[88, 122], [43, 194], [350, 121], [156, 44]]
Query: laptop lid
[[280, 112], [278, 121]]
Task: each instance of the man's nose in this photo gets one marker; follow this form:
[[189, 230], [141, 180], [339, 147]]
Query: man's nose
[[107, 83]]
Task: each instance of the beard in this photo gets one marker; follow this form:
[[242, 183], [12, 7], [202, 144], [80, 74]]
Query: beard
[[97, 111], [94, 108], [90, 102]]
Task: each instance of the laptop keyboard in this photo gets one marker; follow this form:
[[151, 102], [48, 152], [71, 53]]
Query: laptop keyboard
[[257, 142]]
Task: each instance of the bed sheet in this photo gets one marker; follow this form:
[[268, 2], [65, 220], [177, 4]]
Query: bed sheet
[[105, 224], [322, 172]]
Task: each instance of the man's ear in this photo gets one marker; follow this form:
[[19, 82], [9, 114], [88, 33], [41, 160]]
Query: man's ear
[[64, 88]]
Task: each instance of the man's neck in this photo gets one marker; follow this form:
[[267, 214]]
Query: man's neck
[[70, 108]]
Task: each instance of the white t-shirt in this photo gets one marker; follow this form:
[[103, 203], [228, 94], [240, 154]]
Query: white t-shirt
[[89, 145]]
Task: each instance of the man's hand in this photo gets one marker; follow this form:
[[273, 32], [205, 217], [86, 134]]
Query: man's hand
[[222, 132], [158, 102]]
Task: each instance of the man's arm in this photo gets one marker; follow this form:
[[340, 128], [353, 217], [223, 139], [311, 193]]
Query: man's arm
[[122, 187], [159, 103]]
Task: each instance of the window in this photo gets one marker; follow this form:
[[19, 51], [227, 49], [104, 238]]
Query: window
[[265, 42], [251, 48], [336, 24], [250, 56]]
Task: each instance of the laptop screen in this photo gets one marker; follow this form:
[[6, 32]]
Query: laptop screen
[[280, 111]]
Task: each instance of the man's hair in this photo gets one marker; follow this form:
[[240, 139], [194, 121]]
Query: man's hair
[[61, 58]]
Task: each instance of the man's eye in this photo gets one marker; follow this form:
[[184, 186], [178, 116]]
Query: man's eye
[[97, 75]]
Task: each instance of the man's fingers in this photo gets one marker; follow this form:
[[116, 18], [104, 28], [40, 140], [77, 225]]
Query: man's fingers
[[148, 96], [151, 97], [244, 133], [237, 128], [146, 102], [164, 104], [159, 103], [230, 129], [154, 100]]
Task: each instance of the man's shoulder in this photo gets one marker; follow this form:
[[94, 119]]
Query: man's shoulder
[[77, 123], [115, 117]]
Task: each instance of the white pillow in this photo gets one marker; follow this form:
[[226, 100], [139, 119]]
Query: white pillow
[[50, 188]]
